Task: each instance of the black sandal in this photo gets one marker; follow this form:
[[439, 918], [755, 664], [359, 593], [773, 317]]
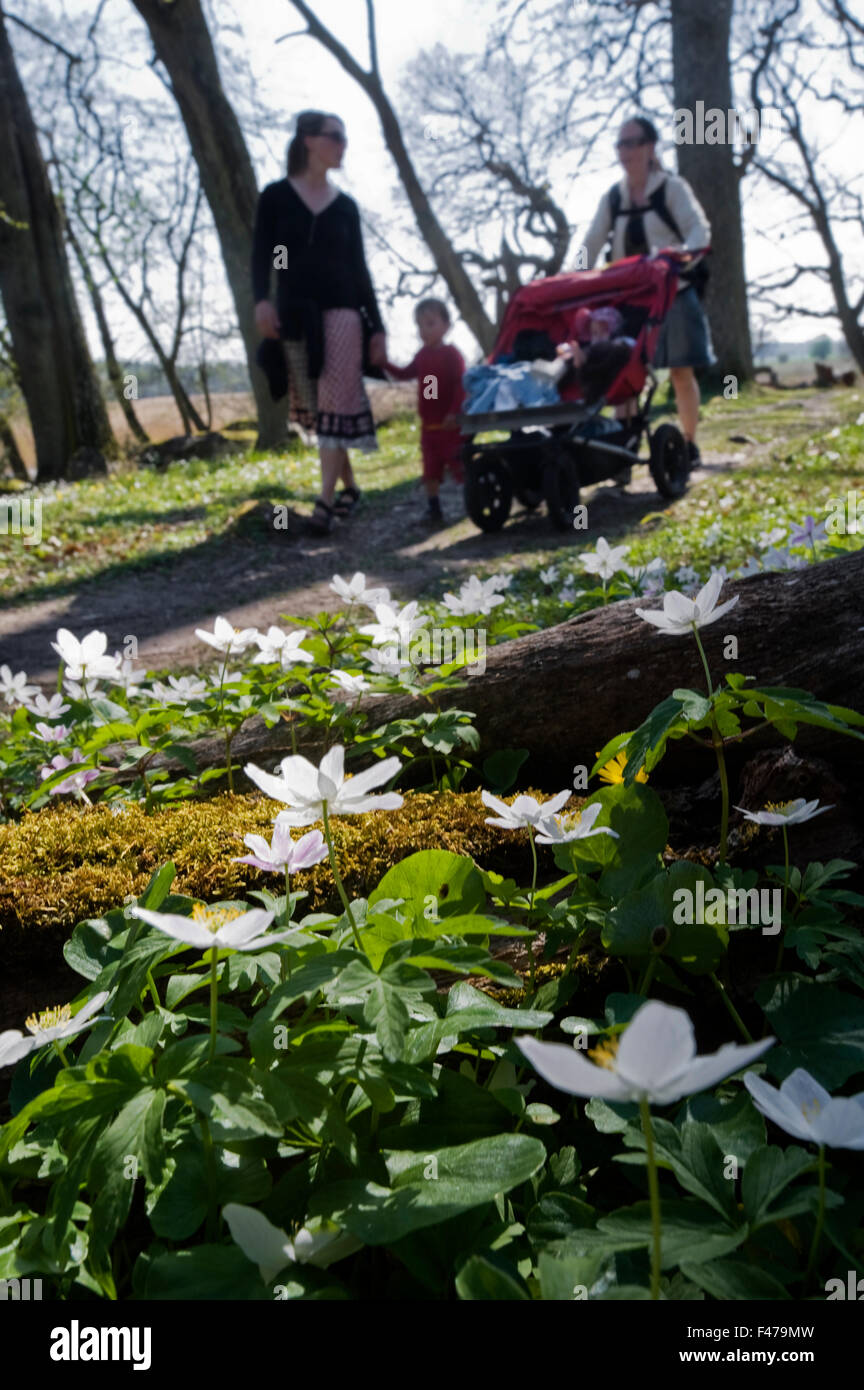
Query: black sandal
[[346, 501], [320, 523]]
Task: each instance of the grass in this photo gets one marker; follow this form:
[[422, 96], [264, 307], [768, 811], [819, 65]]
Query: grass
[[810, 450]]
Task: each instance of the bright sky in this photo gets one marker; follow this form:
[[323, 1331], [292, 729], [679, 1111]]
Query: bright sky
[[299, 73]]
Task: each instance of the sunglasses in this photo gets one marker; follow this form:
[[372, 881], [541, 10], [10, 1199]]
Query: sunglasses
[[632, 144], [336, 136]]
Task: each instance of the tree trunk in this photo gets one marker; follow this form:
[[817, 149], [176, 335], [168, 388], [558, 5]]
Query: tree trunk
[[563, 693], [12, 453], [183, 45], [700, 57], [57, 378], [112, 366]]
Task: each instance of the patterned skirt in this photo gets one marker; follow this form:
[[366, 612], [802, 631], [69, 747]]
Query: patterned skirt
[[334, 405]]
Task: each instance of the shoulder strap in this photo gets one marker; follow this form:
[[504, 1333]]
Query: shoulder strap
[[657, 203]]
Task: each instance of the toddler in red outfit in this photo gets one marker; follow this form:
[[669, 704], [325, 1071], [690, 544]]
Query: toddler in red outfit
[[438, 369]]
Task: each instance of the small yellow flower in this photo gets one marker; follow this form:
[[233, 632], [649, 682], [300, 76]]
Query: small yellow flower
[[613, 772]]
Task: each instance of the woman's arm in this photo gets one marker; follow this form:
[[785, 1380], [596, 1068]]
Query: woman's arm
[[363, 279], [688, 213], [263, 243], [408, 373], [597, 234]]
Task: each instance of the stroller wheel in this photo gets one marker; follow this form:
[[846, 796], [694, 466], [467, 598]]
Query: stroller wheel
[[669, 461], [528, 497], [561, 488], [488, 491]]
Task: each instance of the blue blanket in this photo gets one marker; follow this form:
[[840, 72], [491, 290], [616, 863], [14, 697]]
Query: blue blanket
[[505, 387]]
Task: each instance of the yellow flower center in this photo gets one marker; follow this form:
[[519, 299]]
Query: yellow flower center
[[812, 1110], [49, 1018], [604, 1054], [781, 806], [214, 917]]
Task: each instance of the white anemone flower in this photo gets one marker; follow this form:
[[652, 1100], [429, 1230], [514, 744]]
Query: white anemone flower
[[216, 927], [284, 647], [346, 686], [284, 854], [48, 707], [128, 677], [306, 789], [560, 830], [51, 1025], [474, 596], [265, 1245], [51, 733], [654, 1060], [179, 690], [14, 689], [386, 661], [526, 813], [768, 539], [82, 690], [681, 614], [87, 659], [357, 591], [604, 560], [805, 1110], [228, 640], [786, 813], [549, 575], [394, 625]]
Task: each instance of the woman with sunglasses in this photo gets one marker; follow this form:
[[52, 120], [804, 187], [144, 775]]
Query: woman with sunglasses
[[631, 218], [326, 313]]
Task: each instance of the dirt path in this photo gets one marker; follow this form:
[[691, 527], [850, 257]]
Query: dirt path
[[253, 574]]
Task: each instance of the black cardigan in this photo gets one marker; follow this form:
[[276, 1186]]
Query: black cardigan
[[323, 265]]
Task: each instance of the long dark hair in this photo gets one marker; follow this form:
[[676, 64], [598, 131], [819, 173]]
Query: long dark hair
[[307, 123]]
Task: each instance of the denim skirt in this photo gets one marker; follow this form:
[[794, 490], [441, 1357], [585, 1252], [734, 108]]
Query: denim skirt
[[685, 338]]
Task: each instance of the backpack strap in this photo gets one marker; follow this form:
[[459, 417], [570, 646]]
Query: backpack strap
[[656, 204]]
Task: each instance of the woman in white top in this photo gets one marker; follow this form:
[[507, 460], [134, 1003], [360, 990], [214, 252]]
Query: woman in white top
[[645, 193]]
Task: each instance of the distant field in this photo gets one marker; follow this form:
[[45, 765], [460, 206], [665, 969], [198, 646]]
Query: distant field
[[160, 418]]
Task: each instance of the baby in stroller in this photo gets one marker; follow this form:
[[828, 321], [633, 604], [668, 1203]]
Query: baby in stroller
[[598, 351]]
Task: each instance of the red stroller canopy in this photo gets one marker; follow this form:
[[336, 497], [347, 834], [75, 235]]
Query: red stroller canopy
[[551, 306]]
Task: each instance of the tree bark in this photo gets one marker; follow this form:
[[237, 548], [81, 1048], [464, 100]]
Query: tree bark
[[563, 693], [700, 57], [56, 373], [112, 366], [183, 45], [11, 452]]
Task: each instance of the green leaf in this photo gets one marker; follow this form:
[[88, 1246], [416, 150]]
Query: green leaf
[[206, 1272], [820, 1028], [688, 1232], [644, 922], [480, 1278], [228, 1093], [433, 882], [501, 769], [385, 1010], [430, 1188], [733, 1279], [646, 745], [768, 1173]]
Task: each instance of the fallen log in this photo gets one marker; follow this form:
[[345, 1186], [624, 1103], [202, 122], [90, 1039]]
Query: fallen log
[[562, 693]]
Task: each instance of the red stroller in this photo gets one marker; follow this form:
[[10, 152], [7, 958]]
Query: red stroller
[[554, 450]]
